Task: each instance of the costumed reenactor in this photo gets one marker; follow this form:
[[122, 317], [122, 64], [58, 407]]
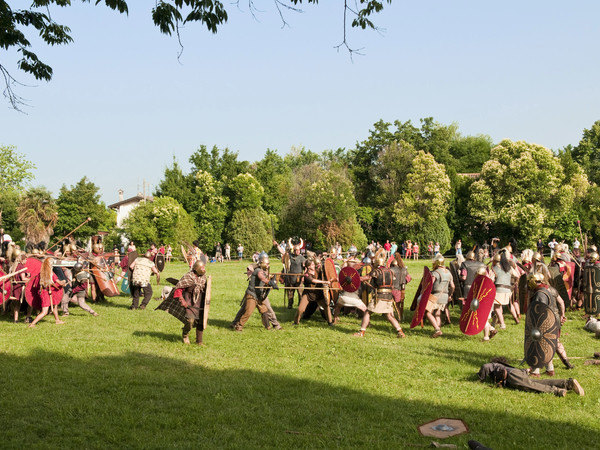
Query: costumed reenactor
[[142, 269], [349, 299], [18, 282], [296, 268], [257, 296], [591, 284], [325, 292], [542, 292], [188, 291], [381, 279], [559, 260], [48, 282], [401, 279], [313, 293], [78, 293], [504, 375], [468, 271], [504, 272], [438, 300]]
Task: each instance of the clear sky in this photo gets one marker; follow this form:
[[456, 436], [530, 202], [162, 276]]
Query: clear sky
[[121, 105]]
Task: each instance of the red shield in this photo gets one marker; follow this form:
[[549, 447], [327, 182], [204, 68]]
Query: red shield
[[478, 305], [99, 270], [349, 279], [569, 280], [32, 288], [57, 294], [421, 297], [5, 288]]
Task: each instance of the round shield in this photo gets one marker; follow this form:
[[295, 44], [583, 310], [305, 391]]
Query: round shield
[[349, 279], [541, 335], [421, 297], [5, 288], [57, 294], [478, 304], [160, 262]]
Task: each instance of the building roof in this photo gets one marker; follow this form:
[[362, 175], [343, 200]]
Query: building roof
[[136, 199]]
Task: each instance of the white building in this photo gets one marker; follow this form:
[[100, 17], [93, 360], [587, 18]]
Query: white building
[[124, 206]]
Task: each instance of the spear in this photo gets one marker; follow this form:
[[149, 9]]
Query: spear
[[89, 219], [10, 275]]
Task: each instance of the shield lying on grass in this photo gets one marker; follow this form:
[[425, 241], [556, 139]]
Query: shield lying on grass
[[443, 428]]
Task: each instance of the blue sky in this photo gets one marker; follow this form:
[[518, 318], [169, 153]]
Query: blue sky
[[120, 104]]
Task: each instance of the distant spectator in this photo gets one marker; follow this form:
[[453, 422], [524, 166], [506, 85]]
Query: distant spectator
[[240, 251], [415, 251]]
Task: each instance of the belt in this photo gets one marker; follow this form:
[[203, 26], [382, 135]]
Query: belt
[[504, 286], [384, 291]]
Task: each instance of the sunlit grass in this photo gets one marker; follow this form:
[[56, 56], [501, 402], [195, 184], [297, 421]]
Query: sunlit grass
[[124, 379]]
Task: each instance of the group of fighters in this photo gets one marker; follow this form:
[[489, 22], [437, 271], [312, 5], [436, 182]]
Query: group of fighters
[[42, 280]]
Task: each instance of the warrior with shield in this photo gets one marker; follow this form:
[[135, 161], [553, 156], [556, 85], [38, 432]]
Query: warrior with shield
[[79, 287], [190, 291], [49, 294], [438, 300], [381, 279], [542, 293], [468, 271], [401, 278], [349, 299], [294, 268], [313, 293], [257, 296]]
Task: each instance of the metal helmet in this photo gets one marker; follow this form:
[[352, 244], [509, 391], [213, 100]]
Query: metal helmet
[[199, 268], [594, 257], [482, 270], [592, 248], [295, 247], [332, 252], [353, 250], [379, 259], [367, 261], [78, 267], [263, 260], [497, 257], [470, 255], [537, 256], [527, 256], [438, 261], [507, 249], [534, 279]]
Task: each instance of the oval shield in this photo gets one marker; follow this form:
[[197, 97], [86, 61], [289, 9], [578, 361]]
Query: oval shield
[[421, 297], [160, 262], [5, 288], [541, 335], [591, 289], [32, 288], [478, 304], [107, 285]]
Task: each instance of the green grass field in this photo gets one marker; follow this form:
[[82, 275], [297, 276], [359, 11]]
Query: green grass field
[[124, 379]]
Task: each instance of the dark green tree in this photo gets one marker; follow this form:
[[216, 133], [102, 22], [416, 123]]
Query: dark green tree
[[77, 203], [587, 152]]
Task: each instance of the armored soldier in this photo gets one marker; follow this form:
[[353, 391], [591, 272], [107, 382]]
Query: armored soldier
[[296, 266], [189, 291], [543, 293], [438, 300], [313, 294], [382, 302], [559, 260], [79, 286], [468, 271], [257, 296], [504, 273], [401, 278], [505, 375]]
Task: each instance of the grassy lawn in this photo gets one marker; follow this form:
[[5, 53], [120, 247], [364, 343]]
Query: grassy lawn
[[124, 379]]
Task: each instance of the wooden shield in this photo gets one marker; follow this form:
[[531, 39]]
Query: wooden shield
[[421, 297], [523, 293], [125, 284], [285, 259], [5, 288], [331, 274], [541, 335], [478, 305], [160, 262], [349, 279], [107, 285], [32, 288], [591, 294], [454, 271], [184, 253], [205, 305], [569, 282], [131, 257], [557, 282]]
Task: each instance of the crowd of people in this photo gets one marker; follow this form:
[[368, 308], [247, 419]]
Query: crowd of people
[[334, 283]]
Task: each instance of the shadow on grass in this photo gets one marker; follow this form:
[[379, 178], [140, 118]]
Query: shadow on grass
[[137, 400], [169, 337]]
